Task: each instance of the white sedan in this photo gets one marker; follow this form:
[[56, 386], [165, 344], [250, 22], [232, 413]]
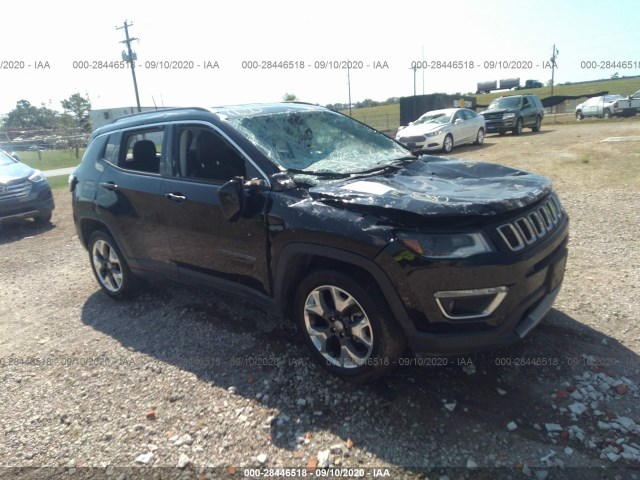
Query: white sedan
[[443, 130]]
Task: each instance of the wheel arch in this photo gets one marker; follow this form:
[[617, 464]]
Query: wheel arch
[[88, 226], [297, 260]]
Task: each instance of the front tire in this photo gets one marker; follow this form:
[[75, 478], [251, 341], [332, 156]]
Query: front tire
[[607, 113], [479, 137], [517, 130], [447, 145], [44, 218], [347, 326], [579, 115], [110, 267]]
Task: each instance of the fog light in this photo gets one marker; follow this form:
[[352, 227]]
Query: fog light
[[470, 304]]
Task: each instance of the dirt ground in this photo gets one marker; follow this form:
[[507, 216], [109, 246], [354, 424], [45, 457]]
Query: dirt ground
[[198, 384]]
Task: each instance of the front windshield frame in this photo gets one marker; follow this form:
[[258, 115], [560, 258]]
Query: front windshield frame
[[318, 142], [441, 118]]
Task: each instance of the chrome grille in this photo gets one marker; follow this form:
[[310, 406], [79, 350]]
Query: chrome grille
[[10, 192], [530, 228]]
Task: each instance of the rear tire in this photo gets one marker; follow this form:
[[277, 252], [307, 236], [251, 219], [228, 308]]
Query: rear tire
[[537, 126], [607, 113], [110, 267], [347, 326]]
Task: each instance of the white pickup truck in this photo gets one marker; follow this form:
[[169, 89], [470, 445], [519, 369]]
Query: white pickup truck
[[630, 105], [608, 106]]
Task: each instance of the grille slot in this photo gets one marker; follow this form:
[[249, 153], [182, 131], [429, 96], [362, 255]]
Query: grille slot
[[511, 236], [19, 190], [530, 228], [526, 230], [538, 224]]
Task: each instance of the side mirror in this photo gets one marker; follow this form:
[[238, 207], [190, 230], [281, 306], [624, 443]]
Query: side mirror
[[15, 155], [458, 121], [232, 198]]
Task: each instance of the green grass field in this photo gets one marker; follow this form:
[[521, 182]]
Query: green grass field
[[624, 87], [51, 159], [377, 116], [58, 182]]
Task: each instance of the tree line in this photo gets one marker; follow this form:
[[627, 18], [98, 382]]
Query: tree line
[[25, 116]]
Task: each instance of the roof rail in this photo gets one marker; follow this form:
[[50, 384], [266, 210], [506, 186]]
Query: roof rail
[[163, 110]]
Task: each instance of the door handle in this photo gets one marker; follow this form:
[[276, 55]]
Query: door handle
[[109, 185], [176, 197]]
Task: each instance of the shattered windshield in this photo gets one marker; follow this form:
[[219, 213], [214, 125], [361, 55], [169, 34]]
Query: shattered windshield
[[506, 102], [318, 141], [434, 118]]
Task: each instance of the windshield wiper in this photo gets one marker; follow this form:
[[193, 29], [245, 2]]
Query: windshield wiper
[[394, 165], [319, 174]]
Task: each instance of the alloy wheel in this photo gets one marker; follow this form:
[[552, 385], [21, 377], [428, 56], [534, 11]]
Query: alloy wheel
[[338, 327], [107, 265]]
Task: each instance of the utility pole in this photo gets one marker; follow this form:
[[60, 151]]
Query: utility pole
[[349, 83], [130, 57], [414, 68], [554, 55], [423, 69]]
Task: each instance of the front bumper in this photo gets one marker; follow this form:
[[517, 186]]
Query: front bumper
[[532, 280], [38, 202], [434, 142], [502, 125]]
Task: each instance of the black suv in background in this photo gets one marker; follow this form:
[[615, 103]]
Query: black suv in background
[[314, 215], [514, 113]]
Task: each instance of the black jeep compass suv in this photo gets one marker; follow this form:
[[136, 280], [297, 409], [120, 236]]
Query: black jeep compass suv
[[312, 214]]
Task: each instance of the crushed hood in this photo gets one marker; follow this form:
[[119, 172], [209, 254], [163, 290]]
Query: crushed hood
[[439, 187]]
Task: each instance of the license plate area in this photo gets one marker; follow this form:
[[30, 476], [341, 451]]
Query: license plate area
[[556, 273]]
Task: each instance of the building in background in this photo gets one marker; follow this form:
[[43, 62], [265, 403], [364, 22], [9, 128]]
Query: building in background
[[103, 116]]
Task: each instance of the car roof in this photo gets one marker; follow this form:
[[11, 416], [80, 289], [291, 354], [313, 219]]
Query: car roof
[[204, 113]]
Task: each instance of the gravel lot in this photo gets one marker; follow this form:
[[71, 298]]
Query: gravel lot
[[209, 387]]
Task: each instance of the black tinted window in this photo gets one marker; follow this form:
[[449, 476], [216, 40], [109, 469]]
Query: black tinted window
[[202, 153], [142, 150]]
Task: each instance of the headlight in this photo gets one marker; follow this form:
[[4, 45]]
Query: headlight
[[433, 134], [36, 177], [445, 245], [509, 115]]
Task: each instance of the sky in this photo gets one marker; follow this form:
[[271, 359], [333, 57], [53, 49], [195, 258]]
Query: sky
[[45, 48]]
